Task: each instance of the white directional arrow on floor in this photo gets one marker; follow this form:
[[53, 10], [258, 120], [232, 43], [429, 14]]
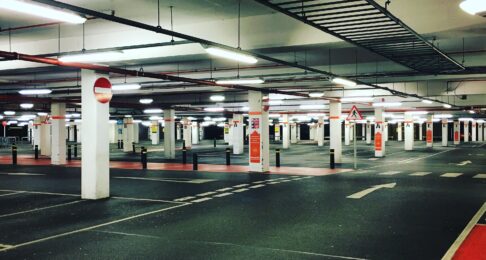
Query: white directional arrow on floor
[[361, 194], [464, 163]]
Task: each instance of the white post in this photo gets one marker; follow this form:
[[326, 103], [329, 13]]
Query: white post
[[45, 141], [466, 131], [37, 132], [136, 132], [368, 132], [259, 139], [230, 131], [421, 137], [399, 131], [346, 132], [178, 131], [127, 134], [445, 131], [226, 133], [154, 132], [379, 133], [58, 140], [95, 163], [409, 129], [385, 130], [363, 131], [335, 130], [457, 132], [186, 132], [474, 131], [169, 135], [293, 133], [312, 132], [430, 131], [238, 141], [276, 131], [286, 132], [320, 131], [195, 133], [480, 132]]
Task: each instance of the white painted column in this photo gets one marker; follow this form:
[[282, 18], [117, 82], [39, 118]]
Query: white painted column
[[195, 133], [352, 125], [111, 132], [119, 130], [379, 133], [312, 132], [169, 135], [466, 131], [457, 132], [484, 131], [430, 131], [136, 132], [346, 132], [368, 132], [155, 132], [226, 133], [445, 132], [186, 132], [474, 131], [293, 133], [79, 132], [37, 132], [363, 131], [286, 132], [409, 129], [399, 132], [480, 131], [421, 136], [238, 141], [297, 126], [259, 152], [45, 141], [127, 134], [335, 135], [319, 129], [95, 163], [178, 131], [58, 139], [277, 131], [385, 130]]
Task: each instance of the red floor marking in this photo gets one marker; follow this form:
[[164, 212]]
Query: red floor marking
[[304, 171], [474, 247]]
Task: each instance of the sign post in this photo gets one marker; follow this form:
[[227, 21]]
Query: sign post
[[354, 115], [4, 124]]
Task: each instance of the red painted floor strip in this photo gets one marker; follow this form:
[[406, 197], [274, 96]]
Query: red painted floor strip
[[474, 247], [304, 171]]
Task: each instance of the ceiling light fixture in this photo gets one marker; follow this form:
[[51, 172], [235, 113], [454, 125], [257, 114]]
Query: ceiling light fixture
[[443, 116], [316, 94], [42, 114], [471, 112], [126, 87], [345, 82], [239, 81], [473, 6], [446, 106], [146, 101], [93, 56], [42, 11], [35, 91], [310, 107], [214, 109], [231, 55], [217, 98], [416, 112], [387, 104], [426, 101], [26, 105], [153, 111], [357, 99], [9, 113]]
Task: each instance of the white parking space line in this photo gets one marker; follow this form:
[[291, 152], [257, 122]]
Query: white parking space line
[[424, 157], [5, 247], [185, 198], [223, 194], [451, 175], [480, 176], [241, 185], [389, 173], [206, 193], [21, 174], [285, 180], [191, 181], [241, 190], [10, 194], [39, 209], [201, 200], [258, 182], [225, 189], [420, 174], [274, 182], [257, 186]]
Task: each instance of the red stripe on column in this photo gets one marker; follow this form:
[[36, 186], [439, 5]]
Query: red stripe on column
[[58, 117]]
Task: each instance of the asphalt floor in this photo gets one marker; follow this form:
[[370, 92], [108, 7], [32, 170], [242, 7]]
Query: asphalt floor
[[428, 197]]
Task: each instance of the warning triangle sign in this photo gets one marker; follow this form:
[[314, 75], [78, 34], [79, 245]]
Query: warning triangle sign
[[354, 114]]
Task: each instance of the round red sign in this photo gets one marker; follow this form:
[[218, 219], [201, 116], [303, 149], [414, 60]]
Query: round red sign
[[4, 123], [102, 90]]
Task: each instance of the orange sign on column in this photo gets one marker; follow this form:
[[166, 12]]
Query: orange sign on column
[[378, 141], [429, 136], [255, 147]]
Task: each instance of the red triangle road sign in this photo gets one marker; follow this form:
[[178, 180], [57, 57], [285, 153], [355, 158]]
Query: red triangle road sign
[[354, 114]]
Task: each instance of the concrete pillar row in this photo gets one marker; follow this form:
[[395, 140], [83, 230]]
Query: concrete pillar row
[[312, 132], [195, 132], [480, 132], [37, 131], [421, 136], [368, 132], [128, 137], [385, 130], [45, 137], [399, 132], [277, 132], [293, 133]]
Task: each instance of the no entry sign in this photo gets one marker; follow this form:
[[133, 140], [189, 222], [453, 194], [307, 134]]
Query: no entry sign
[[102, 90], [4, 123]]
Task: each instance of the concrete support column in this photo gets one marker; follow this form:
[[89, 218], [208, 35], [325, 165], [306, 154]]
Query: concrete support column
[[226, 133], [178, 131], [466, 131], [277, 131], [297, 125], [78, 132], [473, 131], [45, 137], [230, 131], [335, 135], [293, 133], [58, 139], [238, 141], [368, 132], [385, 131], [421, 137], [95, 163], [409, 129], [186, 132], [127, 134], [430, 131], [379, 133], [136, 132], [259, 138], [480, 131], [286, 132], [363, 131], [352, 125], [36, 131], [319, 129], [195, 133], [445, 132], [154, 132], [457, 132], [169, 136], [312, 132], [111, 131], [399, 131], [119, 130], [346, 132]]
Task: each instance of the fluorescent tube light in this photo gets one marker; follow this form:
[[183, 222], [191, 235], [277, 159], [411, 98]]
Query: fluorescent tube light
[[42, 11], [26, 105], [345, 82], [473, 6], [239, 81], [231, 55], [146, 101], [426, 101], [443, 116], [9, 113], [93, 57], [357, 99], [312, 106], [471, 112], [42, 114], [217, 98], [126, 87], [35, 91], [416, 112], [316, 94], [153, 111], [214, 109], [446, 106], [387, 104]]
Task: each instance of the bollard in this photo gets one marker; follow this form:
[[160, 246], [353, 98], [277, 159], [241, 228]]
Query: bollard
[[69, 152], [214, 143], [36, 152], [228, 161], [332, 159], [14, 154], [133, 147], [194, 161], [75, 150], [183, 144], [184, 153], [121, 144], [277, 157], [143, 153]]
